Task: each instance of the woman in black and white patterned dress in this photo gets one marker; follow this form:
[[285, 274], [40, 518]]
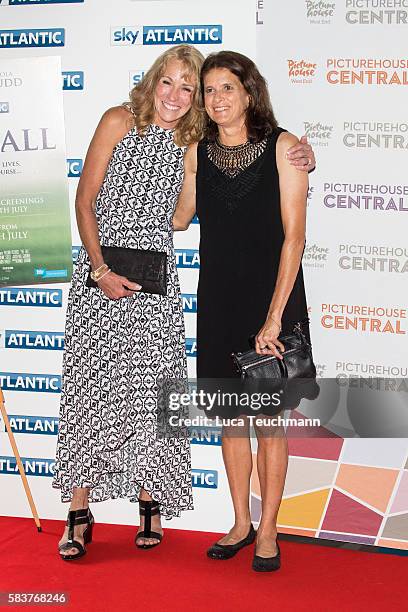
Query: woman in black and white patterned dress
[[120, 341]]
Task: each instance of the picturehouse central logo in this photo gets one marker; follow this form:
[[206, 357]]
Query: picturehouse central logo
[[349, 369], [301, 71], [377, 12], [319, 12], [373, 258], [364, 318], [366, 197], [375, 135], [367, 71]]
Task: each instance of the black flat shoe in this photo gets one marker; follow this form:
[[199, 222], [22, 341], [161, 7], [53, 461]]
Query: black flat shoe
[[77, 517], [267, 564], [227, 551], [148, 509]]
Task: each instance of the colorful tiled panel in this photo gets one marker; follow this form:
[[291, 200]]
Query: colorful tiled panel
[[352, 490], [369, 484]]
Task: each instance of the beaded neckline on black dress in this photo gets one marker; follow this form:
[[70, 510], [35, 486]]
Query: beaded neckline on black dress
[[232, 160]]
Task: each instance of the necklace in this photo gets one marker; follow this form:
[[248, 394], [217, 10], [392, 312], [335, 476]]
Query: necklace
[[234, 159]]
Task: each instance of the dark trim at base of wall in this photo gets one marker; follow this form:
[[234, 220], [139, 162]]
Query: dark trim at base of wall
[[345, 545]]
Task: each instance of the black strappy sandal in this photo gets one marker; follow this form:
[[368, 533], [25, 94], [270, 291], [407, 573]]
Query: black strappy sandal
[[77, 517], [148, 509]]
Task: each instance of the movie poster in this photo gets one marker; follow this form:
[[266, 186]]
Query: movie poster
[[35, 229]]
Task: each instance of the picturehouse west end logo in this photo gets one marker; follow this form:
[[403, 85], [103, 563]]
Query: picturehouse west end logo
[[319, 12], [318, 134], [315, 256], [301, 72]]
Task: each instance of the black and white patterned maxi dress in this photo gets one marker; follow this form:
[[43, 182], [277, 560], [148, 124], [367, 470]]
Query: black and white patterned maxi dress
[[117, 350]]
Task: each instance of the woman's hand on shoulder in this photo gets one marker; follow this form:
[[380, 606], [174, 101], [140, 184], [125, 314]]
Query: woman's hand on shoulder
[[288, 141], [293, 186], [115, 286], [301, 155]]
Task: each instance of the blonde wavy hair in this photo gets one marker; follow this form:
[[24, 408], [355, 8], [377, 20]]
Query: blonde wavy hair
[[190, 127]]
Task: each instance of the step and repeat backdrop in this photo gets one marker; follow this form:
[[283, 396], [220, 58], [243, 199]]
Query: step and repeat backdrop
[[335, 73]]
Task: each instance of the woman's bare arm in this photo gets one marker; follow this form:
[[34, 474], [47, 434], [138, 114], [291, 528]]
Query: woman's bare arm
[[293, 192], [186, 205], [113, 126]]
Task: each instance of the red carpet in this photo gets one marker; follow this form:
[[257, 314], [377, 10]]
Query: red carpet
[[177, 575]]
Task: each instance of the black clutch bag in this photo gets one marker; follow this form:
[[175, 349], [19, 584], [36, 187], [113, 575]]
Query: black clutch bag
[[147, 268], [295, 374]]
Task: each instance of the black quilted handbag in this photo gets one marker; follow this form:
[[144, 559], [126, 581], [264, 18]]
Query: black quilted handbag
[[147, 268]]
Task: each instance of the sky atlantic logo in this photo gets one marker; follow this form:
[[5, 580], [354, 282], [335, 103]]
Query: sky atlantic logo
[[301, 72], [376, 12], [373, 258], [187, 258], [135, 77], [319, 12], [166, 35], [75, 252], [315, 256], [73, 80], [74, 167], [33, 466], [191, 347], [28, 424], [51, 298], [37, 340], [19, 381], [189, 301], [319, 134], [11, 39], [375, 135], [205, 436], [204, 479]]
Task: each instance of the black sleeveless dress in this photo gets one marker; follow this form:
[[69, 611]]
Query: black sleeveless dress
[[240, 248]]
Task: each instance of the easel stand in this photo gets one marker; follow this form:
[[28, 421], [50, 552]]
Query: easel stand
[[19, 463]]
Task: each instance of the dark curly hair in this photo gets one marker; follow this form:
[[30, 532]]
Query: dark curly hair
[[260, 119]]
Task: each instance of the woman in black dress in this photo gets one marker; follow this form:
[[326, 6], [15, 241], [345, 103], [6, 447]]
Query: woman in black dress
[[251, 204]]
